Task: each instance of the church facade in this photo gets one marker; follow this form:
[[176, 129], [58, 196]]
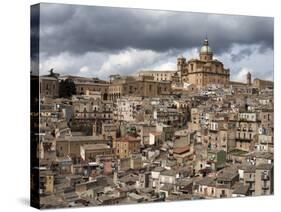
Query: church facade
[[203, 71]]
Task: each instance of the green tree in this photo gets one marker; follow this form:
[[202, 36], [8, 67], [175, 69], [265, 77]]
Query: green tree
[[67, 88]]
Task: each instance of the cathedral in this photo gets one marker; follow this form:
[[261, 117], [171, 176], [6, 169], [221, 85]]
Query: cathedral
[[203, 71]]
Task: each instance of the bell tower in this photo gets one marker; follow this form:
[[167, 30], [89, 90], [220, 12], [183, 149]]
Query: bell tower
[[249, 78], [181, 61]]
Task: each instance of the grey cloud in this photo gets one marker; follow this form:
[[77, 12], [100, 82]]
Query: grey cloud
[[73, 37], [244, 53], [80, 29]]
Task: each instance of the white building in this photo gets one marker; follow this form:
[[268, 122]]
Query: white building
[[127, 109], [248, 116]]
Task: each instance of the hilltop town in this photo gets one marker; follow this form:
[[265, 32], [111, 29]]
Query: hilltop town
[[183, 134]]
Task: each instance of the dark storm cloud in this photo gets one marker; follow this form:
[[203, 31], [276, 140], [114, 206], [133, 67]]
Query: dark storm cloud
[[34, 39], [80, 29]]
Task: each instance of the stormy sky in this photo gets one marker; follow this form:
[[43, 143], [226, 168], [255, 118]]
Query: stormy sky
[[99, 41]]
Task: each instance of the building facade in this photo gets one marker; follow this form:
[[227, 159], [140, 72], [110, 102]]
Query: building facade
[[263, 84], [159, 75], [125, 146], [142, 86], [49, 86], [203, 71], [85, 85]]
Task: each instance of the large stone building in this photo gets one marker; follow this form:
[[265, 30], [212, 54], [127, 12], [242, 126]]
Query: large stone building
[[142, 86], [83, 85], [89, 110], [89, 152], [49, 86], [127, 108], [203, 71], [125, 146], [159, 75], [263, 84]]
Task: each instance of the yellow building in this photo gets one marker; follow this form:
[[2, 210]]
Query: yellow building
[[263, 84], [203, 71], [125, 146], [46, 181], [143, 86]]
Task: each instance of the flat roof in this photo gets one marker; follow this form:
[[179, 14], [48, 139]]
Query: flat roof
[[95, 146]]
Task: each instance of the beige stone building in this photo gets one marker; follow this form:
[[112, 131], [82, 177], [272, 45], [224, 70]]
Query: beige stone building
[[85, 85], [203, 71], [125, 146], [246, 134], [70, 145], [46, 181], [143, 86], [262, 84], [49, 86], [158, 75], [264, 179], [89, 152]]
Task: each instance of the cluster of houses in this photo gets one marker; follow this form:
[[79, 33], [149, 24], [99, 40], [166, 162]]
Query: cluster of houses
[[182, 134], [99, 149]]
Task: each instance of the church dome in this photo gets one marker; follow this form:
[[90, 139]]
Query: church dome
[[206, 48]]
